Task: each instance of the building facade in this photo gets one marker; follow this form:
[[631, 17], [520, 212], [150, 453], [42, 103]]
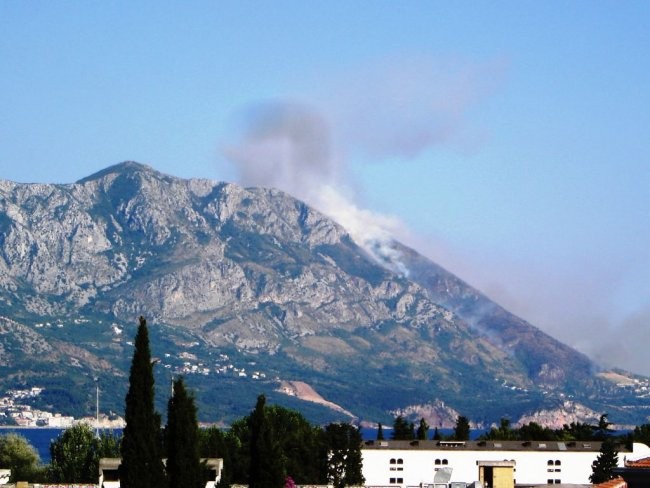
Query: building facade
[[415, 463]]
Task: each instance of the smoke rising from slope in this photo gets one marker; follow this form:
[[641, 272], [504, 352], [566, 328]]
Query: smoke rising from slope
[[396, 107], [288, 146], [284, 145]]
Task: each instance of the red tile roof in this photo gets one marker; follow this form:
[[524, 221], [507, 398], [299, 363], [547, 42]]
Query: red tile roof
[[641, 463], [616, 483]]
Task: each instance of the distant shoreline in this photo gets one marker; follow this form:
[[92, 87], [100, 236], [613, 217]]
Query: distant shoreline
[[47, 427]]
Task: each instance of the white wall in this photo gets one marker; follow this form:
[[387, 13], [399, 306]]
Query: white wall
[[531, 465]]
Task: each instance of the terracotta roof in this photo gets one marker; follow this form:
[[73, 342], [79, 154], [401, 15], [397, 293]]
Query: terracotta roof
[[616, 483], [641, 463]]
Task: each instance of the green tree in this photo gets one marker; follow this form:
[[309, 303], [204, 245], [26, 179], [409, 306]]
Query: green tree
[[436, 435], [503, 433], [642, 434], [238, 440], [142, 465], [402, 429], [75, 456], [184, 469], [215, 443], [380, 433], [344, 447], [535, 432], [607, 460], [602, 430], [461, 431], [423, 430], [576, 431], [109, 445], [266, 460], [302, 445], [18, 455]]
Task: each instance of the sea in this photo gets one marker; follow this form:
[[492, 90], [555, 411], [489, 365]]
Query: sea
[[41, 437]]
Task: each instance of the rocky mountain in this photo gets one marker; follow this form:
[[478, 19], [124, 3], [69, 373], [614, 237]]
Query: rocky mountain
[[249, 289]]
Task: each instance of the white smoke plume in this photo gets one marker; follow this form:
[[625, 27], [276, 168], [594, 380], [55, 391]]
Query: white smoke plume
[[396, 107], [402, 106], [288, 146]]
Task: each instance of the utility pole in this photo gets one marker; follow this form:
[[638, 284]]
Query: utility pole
[[97, 407]]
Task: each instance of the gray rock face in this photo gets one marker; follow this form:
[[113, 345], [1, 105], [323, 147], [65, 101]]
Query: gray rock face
[[261, 272], [130, 240]]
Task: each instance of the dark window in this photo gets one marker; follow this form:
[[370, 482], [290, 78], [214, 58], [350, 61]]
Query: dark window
[[550, 462], [111, 475], [392, 461], [558, 462], [444, 461], [400, 461], [437, 461]]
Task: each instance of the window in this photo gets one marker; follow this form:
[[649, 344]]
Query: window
[[392, 461], [396, 480], [445, 462], [400, 461], [554, 466], [437, 462]]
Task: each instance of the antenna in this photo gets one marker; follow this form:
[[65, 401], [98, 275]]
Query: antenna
[[97, 407]]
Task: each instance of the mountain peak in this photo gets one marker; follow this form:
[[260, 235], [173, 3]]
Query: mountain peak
[[125, 167]]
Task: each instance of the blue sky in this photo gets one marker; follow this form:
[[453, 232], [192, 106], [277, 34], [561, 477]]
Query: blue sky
[[509, 141]]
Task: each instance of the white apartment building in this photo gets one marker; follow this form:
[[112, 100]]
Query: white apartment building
[[415, 463]]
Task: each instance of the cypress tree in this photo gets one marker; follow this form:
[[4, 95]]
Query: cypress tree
[[403, 430], [461, 431], [423, 430], [267, 467], [344, 458], [184, 468], [380, 433], [142, 466], [607, 460]]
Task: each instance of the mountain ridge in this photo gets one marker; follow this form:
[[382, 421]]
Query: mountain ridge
[[257, 275]]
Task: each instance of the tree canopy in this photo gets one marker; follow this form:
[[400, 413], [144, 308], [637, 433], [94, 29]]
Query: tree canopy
[[141, 448], [74, 456], [17, 454], [184, 468], [344, 446], [267, 462], [403, 430], [607, 460], [461, 431]]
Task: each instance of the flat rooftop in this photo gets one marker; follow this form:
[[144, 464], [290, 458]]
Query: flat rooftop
[[549, 446]]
